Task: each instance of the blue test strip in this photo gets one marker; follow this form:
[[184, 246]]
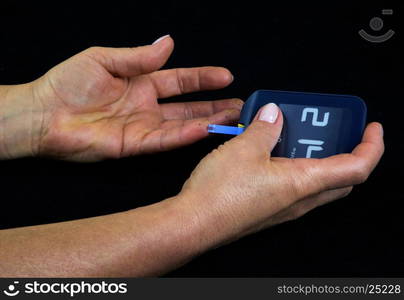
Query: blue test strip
[[213, 128]]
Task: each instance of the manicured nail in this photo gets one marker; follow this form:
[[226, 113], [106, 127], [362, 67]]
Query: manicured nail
[[160, 39], [269, 113]]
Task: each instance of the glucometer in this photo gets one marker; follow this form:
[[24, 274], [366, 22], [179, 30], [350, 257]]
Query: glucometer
[[315, 125]]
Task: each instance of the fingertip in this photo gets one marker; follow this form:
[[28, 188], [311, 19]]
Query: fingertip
[[237, 103], [163, 46], [232, 103], [270, 113], [371, 149], [228, 76], [163, 39], [211, 78], [154, 56], [166, 43], [379, 127], [374, 131], [225, 117]]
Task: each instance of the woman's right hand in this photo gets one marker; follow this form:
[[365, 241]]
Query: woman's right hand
[[235, 190], [239, 188]]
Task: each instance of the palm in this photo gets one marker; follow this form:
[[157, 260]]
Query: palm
[[99, 111]]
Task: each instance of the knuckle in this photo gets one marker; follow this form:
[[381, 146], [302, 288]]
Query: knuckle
[[360, 173], [93, 50], [188, 112], [304, 182], [295, 186], [241, 152], [180, 81], [289, 185], [96, 53]]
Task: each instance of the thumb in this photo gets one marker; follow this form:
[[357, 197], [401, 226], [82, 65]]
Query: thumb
[[128, 62], [266, 128]]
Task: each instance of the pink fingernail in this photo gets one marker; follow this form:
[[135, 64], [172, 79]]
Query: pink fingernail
[[160, 39], [269, 113]]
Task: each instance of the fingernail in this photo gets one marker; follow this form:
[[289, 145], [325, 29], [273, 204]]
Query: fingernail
[[269, 113], [160, 39], [382, 130]]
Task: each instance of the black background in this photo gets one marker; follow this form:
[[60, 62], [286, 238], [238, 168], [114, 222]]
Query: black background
[[272, 45]]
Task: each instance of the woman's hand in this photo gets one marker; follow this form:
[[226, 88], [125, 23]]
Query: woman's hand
[[239, 188], [102, 103], [236, 190]]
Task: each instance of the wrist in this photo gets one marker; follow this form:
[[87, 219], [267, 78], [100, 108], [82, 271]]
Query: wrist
[[208, 226], [215, 222], [165, 233], [21, 119]]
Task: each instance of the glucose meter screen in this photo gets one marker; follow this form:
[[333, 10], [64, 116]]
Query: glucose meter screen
[[310, 131]]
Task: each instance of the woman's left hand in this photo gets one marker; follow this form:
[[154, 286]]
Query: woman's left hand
[[102, 103]]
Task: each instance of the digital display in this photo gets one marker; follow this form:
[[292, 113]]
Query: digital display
[[315, 125], [312, 131]]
